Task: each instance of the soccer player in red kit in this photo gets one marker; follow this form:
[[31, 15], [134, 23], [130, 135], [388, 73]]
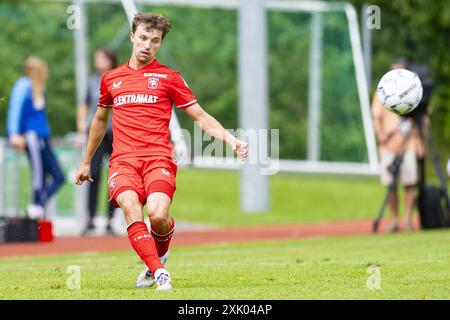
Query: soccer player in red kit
[[142, 169]]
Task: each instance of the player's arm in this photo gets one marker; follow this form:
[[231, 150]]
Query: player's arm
[[96, 134], [211, 126]]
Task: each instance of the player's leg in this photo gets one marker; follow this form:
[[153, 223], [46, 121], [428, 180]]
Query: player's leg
[[162, 224], [158, 211], [138, 234], [126, 191], [159, 180], [128, 201]]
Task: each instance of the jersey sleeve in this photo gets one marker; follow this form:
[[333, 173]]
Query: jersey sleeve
[[180, 93], [105, 100]]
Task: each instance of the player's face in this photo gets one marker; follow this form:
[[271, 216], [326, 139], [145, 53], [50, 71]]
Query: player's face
[[145, 43]]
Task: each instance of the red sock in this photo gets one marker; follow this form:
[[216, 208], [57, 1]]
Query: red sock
[[144, 245], [162, 241]]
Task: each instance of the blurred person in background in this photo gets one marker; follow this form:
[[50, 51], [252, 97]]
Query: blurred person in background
[[28, 130], [104, 60], [395, 137]]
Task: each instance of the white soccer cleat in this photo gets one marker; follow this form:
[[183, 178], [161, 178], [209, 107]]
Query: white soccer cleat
[[145, 278], [163, 280]]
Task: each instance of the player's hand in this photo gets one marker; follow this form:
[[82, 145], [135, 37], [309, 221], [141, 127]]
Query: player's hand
[[83, 174], [241, 149], [18, 142]]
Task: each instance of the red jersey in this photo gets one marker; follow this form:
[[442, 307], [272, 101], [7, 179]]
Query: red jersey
[[141, 102]]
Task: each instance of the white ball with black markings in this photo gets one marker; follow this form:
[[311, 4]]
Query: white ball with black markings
[[400, 91]]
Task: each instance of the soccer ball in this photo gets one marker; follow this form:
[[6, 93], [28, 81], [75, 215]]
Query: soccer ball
[[400, 91]]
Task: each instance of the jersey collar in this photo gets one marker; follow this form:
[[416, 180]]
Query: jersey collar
[[151, 65]]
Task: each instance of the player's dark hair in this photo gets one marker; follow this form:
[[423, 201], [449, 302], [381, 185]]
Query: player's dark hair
[[152, 21], [111, 55]]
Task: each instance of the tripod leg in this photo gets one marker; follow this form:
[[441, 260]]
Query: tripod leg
[[391, 191], [377, 221]]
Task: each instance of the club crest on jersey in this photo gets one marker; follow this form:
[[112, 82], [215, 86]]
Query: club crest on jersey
[[153, 83]]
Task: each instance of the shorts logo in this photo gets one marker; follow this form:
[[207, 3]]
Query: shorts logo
[[112, 181], [153, 83], [165, 172]]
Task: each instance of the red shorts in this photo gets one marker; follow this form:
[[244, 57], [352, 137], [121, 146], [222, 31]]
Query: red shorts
[[143, 176]]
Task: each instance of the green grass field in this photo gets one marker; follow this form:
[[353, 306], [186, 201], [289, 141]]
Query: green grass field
[[212, 196], [411, 266]]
